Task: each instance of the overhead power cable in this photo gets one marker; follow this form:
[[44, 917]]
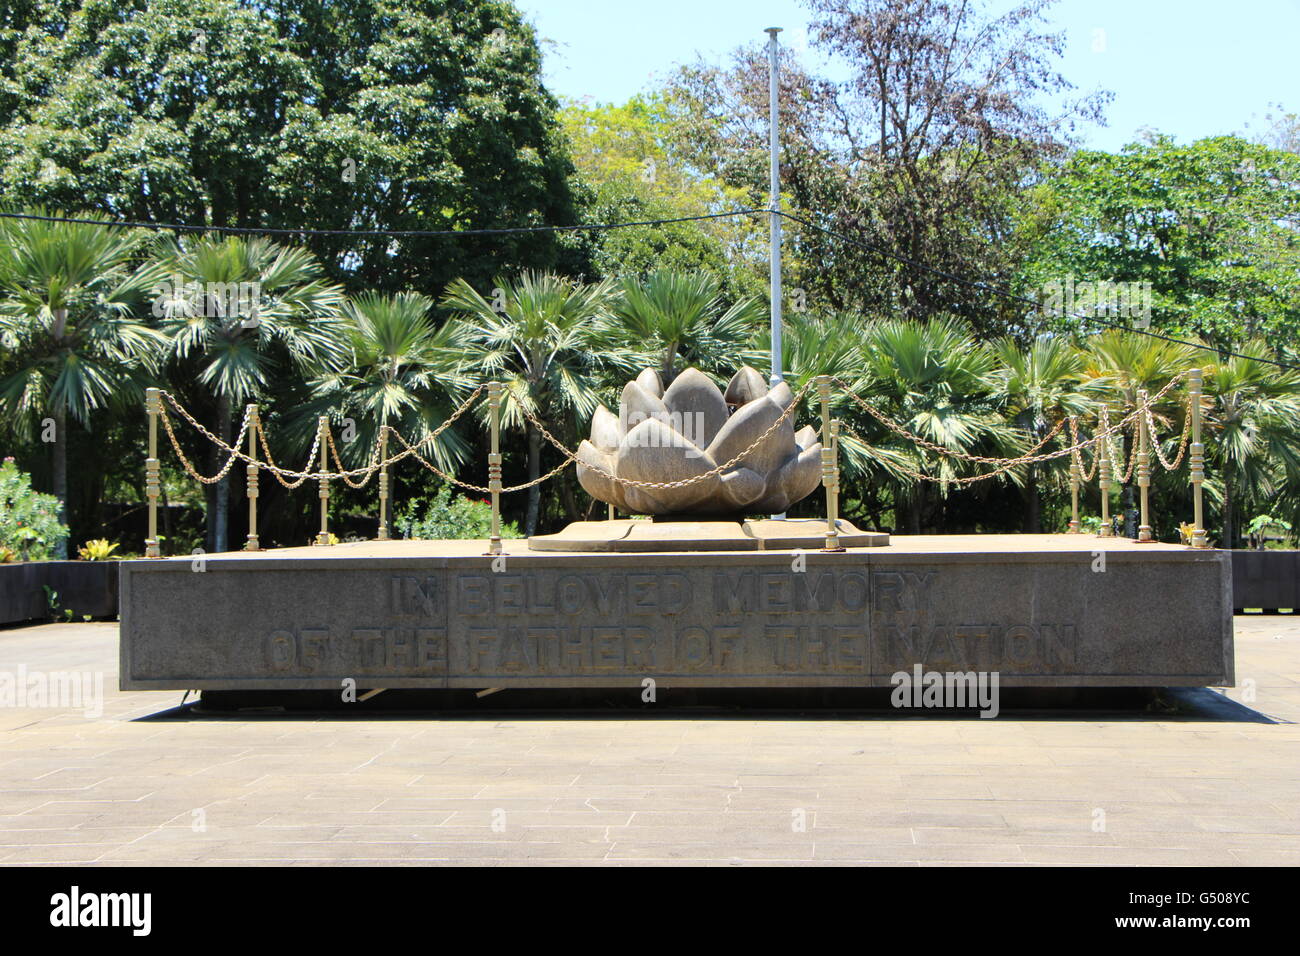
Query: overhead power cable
[[397, 233]]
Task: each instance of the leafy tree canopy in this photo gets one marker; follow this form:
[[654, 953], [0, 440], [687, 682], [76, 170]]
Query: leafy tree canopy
[[365, 114]]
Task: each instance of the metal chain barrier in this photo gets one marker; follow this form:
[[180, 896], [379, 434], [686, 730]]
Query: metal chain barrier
[[338, 463], [1132, 446], [933, 446], [1008, 464], [278, 472], [302, 476], [1084, 476], [185, 462], [481, 489], [1182, 443], [1104, 442]]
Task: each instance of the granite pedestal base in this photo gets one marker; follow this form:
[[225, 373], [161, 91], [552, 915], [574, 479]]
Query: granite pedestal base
[[1041, 610]]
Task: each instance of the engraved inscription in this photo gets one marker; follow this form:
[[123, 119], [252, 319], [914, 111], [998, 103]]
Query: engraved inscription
[[561, 623], [319, 651], [906, 631], [415, 596]]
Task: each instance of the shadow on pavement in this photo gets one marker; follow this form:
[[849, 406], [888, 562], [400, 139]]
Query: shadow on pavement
[[1061, 704]]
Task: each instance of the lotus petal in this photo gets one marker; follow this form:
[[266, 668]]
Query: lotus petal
[[742, 487], [781, 394], [793, 481], [637, 405], [745, 386], [649, 380], [747, 426], [652, 451], [593, 482], [805, 437], [606, 430], [695, 407]]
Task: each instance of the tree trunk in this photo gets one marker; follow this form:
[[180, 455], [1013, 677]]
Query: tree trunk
[[1034, 519], [1132, 515], [666, 368], [60, 471], [534, 471], [568, 498], [1129, 491], [221, 504]]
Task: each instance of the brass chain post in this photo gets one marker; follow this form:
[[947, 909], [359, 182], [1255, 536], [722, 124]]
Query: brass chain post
[[1144, 470], [1197, 452], [830, 474], [153, 406], [254, 423], [494, 464], [383, 484], [1075, 480], [323, 537], [1103, 449]]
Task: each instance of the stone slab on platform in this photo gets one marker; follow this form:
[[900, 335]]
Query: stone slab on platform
[[633, 535], [1041, 610]]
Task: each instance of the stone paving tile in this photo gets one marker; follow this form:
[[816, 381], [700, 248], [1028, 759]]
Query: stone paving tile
[[118, 788]]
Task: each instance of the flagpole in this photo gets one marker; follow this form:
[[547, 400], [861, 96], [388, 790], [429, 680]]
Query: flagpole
[[773, 90]]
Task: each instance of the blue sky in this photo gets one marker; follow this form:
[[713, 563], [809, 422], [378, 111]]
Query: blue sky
[[1190, 68]]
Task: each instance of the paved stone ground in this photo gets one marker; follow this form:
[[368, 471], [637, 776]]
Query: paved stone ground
[[1216, 784]]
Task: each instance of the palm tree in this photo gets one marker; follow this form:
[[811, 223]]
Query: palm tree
[[1041, 385], [544, 335], [673, 313], [237, 312], [72, 294], [938, 382], [1119, 364], [1255, 424], [405, 372]]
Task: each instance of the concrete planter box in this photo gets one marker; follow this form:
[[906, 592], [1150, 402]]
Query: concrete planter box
[[1266, 579], [84, 587]]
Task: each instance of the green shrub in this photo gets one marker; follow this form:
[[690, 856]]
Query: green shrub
[[29, 520], [444, 516]]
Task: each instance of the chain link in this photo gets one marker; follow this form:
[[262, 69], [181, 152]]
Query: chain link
[[1182, 443], [1077, 457], [278, 472], [269, 463], [373, 467], [479, 488], [1107, 432], [943, 449], [185, 462]]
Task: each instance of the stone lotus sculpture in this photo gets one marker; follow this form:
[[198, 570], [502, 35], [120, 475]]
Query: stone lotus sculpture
[[689, 430]]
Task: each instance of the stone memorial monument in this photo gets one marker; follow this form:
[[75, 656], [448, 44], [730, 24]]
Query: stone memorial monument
[[711, 591]]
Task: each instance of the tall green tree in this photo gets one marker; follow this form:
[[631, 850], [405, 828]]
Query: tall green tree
[[933, 378], [1041, 385], [677, 315], [241, 315], [917, 149], [630, 169], [73, 319], [405, 371], [1253, 437], [544, 336], [356, 115], [1212, 228]]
